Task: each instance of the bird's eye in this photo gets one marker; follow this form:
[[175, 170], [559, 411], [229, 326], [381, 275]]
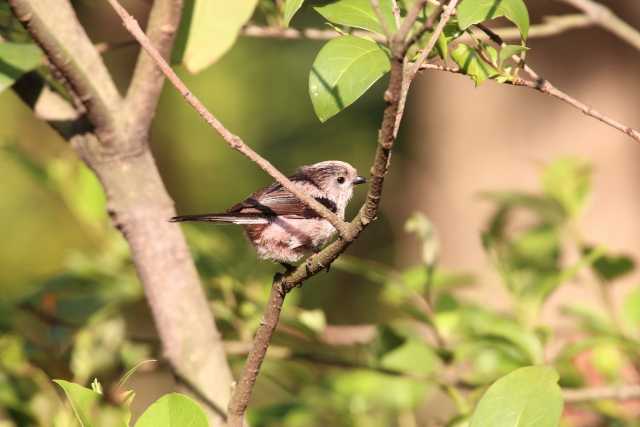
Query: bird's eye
[[340, 180]]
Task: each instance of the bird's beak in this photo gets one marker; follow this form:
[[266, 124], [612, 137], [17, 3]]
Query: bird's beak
[[359, 180]]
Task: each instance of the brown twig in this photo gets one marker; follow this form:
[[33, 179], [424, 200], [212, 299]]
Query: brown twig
[[232, 140], [137, 201], [605, 18], [622, 392], [147, 81], [316, 263], [543, 86], [375, 5], [258, 31], [551, 26]]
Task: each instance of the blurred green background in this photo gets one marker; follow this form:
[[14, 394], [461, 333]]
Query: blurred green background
[[71, 306]]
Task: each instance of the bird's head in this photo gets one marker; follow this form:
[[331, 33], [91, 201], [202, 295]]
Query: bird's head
[[334, 178]]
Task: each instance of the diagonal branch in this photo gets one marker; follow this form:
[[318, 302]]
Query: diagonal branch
[[232, 140], [620, 393], [395, 97], [148, 80], [605, 18], [543, 86], [54, 25]]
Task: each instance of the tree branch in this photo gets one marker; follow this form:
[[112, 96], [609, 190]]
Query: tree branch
[[622, 392], [605, 18], [147, 81], [55, 27], [368, 212], [550, 26], [137, 201], [232, 140], [543, 86]]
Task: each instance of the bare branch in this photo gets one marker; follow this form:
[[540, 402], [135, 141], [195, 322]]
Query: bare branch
[[396, 12], [623, 392], [232, 140], [550, 26], [446, 15], [147, 81], [544, 86], [605, 18], [368, 212], [409, 20], [375, 5], [55, 27]]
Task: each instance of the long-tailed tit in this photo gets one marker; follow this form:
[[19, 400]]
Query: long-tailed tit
[[278, 224]]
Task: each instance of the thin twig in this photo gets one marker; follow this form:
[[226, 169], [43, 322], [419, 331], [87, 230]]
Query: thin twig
[[446, 15], [396, 12], [605, 18], [375, 4], [258, 31], [427, 26], [232, 140], [412, 70], [316, 263], [550, 26], [623, 392], [547, 88]]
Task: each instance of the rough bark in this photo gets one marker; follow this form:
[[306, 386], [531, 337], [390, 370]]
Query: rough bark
[[111, 137]]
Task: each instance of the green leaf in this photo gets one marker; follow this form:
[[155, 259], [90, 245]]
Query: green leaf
[[413, 357], [173, 410], [82, 399], [208, 30], [610, 267], [470, 61], [527, 397], [17, 59], [343, 70], [568, 181], [471, 12], [631, 309], [359, 14], [507, 51], [290, 9]]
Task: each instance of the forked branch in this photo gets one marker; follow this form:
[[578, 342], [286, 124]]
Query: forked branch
[[231, 139]]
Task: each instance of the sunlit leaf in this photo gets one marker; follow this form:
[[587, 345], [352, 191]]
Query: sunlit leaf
[[379, 389], [208, 30], [568, 181], [343, 70], [82, 399], [173, 410], [507, 51], [527, 397], [414, 356], [290, 9], [358, 13], [17, 59], [471, 12], [631, 308], [472, 64]]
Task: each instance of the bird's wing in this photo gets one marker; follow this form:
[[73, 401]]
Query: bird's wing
[[276, 200]]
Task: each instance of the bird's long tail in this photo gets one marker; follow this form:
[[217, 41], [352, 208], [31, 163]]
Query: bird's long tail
[[223, 218]]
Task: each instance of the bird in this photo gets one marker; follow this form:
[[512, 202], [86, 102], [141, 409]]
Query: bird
[[282, 228]]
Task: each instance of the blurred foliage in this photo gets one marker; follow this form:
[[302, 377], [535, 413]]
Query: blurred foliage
[[76, 310], [434, 346]]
